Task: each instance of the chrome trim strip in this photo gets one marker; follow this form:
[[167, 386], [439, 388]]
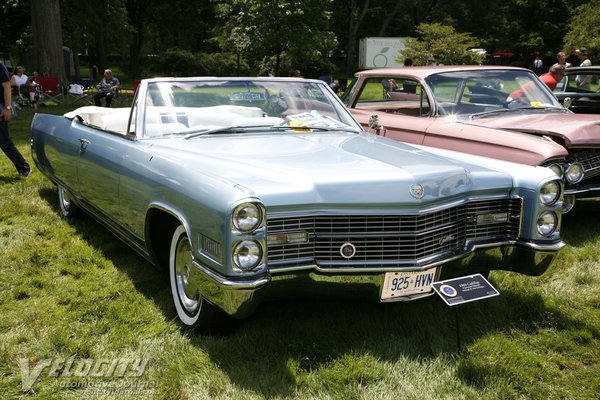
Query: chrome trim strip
[[577, 190], [418, 266], [232, 283], [336, 212]]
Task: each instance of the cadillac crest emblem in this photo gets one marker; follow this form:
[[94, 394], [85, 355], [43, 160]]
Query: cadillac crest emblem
[[347, 250], [417, 191]]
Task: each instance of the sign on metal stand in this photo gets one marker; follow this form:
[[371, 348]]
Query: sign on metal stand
[[464, 290]]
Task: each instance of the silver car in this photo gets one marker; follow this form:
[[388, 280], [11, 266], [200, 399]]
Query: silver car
[[248, 189]]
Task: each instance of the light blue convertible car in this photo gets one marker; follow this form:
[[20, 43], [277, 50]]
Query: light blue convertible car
[[249, 189]]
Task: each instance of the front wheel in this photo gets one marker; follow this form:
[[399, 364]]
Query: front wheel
[[192, 309]]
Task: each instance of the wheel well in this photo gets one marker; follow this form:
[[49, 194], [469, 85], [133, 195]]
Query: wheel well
[[159, 229]]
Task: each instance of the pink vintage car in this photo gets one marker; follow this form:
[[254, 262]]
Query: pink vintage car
[[499, 112]]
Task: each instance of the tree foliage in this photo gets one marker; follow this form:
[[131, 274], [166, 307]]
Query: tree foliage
[[584, 28], [315, 36], [443, 43], [296, 29]]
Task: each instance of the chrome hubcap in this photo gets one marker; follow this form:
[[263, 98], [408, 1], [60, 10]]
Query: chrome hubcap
[[63, 197], [183, 267]]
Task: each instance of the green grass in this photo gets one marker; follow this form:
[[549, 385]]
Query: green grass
[[72, 290]]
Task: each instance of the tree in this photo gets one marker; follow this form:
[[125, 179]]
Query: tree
[[47, 39], [75, 22], [262, 29], [354, 21], [584, 28], [443, 43]]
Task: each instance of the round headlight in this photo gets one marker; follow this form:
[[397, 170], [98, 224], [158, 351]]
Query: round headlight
[[574, 173], [247, 255], [568, 203], [547, 223], [550, 193], [557, 169], [247, 217]]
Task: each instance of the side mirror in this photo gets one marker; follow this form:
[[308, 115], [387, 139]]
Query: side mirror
[[374, 124], [373, 121], [567, 102]]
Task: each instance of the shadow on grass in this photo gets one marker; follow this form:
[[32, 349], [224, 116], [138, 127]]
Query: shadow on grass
[[9, 179], [290, 339], [580, 225]]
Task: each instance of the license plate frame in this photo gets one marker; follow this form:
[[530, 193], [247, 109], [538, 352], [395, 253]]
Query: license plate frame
[[401, 284]]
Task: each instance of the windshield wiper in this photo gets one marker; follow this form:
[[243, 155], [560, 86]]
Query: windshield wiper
[[503, 110], [485, 113], [543, 108], [299, 128], [222, 129], [308, 128]]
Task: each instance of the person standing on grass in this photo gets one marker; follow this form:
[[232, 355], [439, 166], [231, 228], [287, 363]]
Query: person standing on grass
[[583, 81], [7, 146]]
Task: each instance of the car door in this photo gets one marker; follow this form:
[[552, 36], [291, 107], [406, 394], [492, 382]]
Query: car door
[[98, 171], [58, 152], [400, 105]]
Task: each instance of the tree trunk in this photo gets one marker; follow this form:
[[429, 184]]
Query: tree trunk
[[101, 51], [136, 10], [354, 22], [47, 39]]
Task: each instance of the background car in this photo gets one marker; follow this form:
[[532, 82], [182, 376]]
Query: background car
[[250, 189], [501, 112], [580, 86]]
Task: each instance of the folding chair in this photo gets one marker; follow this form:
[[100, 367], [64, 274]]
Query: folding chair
[[51, 90], [125, 95], [85, 97]]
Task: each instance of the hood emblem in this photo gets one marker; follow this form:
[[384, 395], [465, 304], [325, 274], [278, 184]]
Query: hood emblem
[[417, 191], [347, 250]]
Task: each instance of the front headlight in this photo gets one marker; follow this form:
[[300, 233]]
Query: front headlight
[[557, 169], [247, 255], [568, 203], [574, 173], [547, 223], [550, 193], [247, 217]]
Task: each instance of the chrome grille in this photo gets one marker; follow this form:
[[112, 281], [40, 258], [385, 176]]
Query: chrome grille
[[590, 159], [390, 238]]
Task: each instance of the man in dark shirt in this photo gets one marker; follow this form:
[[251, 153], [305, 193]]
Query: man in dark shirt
[[107, 87], [7, 146]]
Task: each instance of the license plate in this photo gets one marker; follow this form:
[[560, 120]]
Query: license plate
[[400, 284]]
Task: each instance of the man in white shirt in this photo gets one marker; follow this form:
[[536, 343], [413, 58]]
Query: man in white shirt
[[583, 81]]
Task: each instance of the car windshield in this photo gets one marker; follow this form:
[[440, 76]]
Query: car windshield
[[477, 94], [192, 108], [583, 83]]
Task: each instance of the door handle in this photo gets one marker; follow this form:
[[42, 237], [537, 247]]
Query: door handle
[[84, 143]]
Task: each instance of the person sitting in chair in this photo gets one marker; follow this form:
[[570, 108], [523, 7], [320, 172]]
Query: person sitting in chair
[[107, 87]]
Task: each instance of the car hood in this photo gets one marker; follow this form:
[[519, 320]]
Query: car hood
[[576, 130], [334, 168]]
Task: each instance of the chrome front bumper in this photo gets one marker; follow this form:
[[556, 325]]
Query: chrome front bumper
[[240, 296]]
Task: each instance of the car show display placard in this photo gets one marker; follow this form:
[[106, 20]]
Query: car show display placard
[[464, 289]]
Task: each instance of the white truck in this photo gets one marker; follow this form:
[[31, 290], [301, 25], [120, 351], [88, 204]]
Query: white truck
[[381, 52]]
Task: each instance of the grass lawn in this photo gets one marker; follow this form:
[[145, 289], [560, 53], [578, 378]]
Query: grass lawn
[[96, 321]]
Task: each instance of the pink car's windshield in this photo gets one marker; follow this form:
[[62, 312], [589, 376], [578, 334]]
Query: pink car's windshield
[[469, 94]]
